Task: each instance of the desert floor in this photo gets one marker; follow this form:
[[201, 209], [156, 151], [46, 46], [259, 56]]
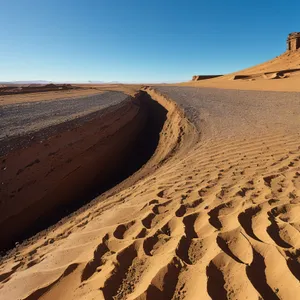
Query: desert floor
[[216, 215], [23, 117], [84, 90]]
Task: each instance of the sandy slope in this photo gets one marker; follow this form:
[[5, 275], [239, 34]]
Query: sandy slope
[[279, 74], [219, 219]]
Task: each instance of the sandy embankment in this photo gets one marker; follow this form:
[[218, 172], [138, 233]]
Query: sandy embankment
[[49, 173], [75, 157], [56, 170], [279, 74], [72, 162]]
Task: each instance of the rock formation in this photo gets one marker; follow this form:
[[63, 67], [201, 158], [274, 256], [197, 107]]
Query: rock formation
[[202, 77], [293, 41]]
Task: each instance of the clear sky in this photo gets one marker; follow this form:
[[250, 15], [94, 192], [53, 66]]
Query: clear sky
[[138, 40]]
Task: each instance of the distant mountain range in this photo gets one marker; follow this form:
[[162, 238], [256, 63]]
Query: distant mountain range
[[26, 82], [59, 82]]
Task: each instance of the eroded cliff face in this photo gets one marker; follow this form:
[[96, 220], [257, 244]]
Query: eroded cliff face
[[48, 179], [203, 77]]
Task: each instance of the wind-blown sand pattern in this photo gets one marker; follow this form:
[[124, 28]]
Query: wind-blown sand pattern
[[214, 214]]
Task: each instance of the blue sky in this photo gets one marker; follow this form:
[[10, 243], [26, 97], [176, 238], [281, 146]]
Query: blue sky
[[137, 40]]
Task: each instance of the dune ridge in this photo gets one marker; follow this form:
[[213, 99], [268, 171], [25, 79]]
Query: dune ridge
[[281, 73]]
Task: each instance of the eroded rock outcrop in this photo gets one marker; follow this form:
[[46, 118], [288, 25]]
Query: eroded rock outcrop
[[203, 77], [293, 41]]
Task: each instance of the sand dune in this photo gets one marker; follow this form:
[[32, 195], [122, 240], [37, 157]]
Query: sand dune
[[214, 214], [279, 74]]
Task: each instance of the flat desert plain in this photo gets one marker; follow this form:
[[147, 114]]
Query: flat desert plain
[[214, 213]]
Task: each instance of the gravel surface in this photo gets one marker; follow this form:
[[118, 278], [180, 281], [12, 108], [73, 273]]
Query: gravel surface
[[21, 124], [17, 119], [226, 113]]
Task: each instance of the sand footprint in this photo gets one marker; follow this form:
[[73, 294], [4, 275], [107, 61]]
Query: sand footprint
[[161, 208], [121, 281], [123, 230], [215, 282], [97, 261], [147, 221], [163, 284], [245, 219]]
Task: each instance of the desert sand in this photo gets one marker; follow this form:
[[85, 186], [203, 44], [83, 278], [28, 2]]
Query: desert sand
[[213, 214], [279, 74]]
